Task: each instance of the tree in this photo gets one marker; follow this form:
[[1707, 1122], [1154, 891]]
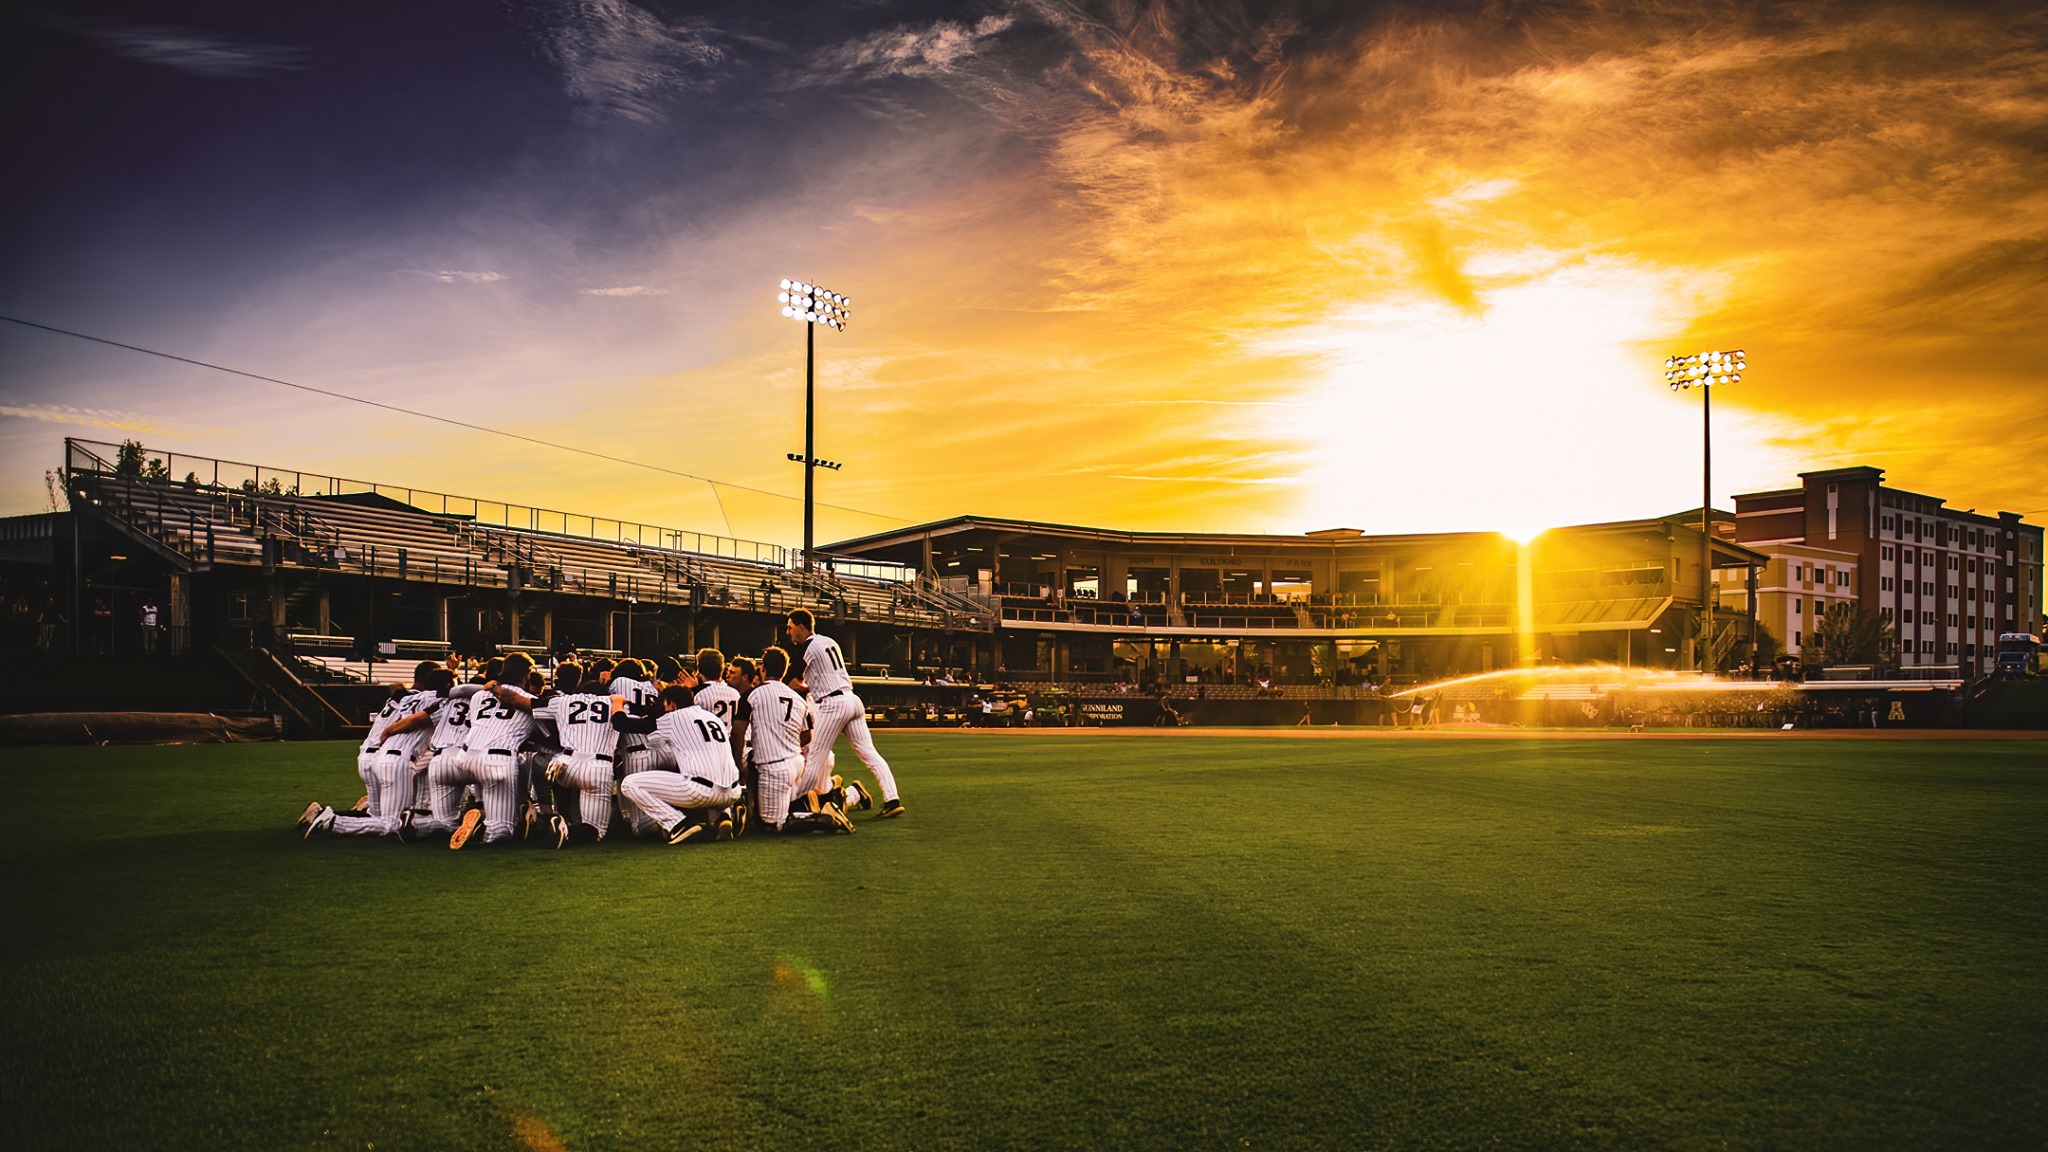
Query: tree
[[128, 461], [1847, 634], [1768, 646]]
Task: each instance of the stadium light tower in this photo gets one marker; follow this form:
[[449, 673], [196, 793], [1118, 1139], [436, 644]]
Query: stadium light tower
[[812, 305], [1702, 370]]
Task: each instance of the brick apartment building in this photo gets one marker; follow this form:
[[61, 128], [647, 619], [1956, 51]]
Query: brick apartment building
[[1949, 581]]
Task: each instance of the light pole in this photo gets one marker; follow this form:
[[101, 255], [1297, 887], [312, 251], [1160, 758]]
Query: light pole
[[630, 601], [813, 306], [1702, 370]]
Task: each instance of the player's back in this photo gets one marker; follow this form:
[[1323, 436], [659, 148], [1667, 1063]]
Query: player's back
[[824, 667], [583, 723], [494, 724], [720, 699], [778, 717], [700, 743]]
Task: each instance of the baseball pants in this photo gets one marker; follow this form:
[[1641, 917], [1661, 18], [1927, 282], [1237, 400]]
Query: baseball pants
[[591, 776], [387, 776], [843, 713], [494, 771], [663, 795], [777, 786]]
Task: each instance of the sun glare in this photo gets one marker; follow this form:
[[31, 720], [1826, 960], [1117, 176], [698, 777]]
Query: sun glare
[[1541, 407]]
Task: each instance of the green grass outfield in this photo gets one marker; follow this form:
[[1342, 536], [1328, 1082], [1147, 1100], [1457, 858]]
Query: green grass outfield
[[1176, 941]]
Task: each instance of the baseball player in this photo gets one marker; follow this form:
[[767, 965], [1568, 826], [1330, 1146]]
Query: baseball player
[[500, 720], [629, 680], [442, 755], [681, 801], [838, 710], [384, 761], [582, 723], [778, 717]]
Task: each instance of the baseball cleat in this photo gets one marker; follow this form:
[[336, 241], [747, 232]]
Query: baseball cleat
[[857, 797], [682, 830], [892, 808], [467, 829], [739, 819], [837, 783], [321, 822], [808, 802], [724, 828], [363, 803], [406, 832], [311, 813], [529, 818], [837, 816], [558, 830]]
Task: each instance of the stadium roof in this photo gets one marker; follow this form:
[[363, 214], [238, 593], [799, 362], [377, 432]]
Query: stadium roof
[[902, 541]]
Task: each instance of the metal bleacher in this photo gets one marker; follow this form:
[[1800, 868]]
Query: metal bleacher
[[205, 512]]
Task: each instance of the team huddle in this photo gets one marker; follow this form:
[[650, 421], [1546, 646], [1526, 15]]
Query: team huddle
[[715, 750]]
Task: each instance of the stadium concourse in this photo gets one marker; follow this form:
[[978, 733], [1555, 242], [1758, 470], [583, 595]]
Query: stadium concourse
[[191, 584]]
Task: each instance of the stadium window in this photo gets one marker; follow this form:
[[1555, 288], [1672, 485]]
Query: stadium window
[[1795, 638], [1953, 563], [1951, 647], [1927, 646], [1884, 613], [1885, 583], [1887, 552], [1952, 620], [1798, 606]]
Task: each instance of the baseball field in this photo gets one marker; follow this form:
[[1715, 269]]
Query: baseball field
[[1171, 941]]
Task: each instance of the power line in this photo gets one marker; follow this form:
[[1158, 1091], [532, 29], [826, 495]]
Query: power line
[[715, 484]]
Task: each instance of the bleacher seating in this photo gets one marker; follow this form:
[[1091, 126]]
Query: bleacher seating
[[377, 535]]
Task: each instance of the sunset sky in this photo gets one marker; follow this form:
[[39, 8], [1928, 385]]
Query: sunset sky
[[1201, 266]]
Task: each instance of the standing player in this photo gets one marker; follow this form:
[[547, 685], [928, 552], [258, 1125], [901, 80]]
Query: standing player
[[682, 801], [838, 710], [775, 733]]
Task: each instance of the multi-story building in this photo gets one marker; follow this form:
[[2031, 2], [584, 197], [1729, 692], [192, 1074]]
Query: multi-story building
[[1948, 580]]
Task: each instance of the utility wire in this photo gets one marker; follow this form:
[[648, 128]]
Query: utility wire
[[715, 484]]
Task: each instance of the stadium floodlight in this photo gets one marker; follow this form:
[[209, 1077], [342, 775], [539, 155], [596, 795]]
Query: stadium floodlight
[[1703, 370], [812, 305]]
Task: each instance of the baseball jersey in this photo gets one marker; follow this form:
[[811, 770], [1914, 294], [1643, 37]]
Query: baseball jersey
[[645, 700], [721, 700], [780, 715], [700, 744], [408, 742], [496, 725], [583, 724], [451, 727], [824, 667], [394, 709]]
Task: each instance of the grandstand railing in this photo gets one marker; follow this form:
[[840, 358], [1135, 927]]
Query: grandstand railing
[[233, 475]]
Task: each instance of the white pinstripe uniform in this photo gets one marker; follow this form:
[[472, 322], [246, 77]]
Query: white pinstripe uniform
[[704, 775], [386, 767], [444, 751], [838, 710], [723, 701], [635, 753], [489, 760], [583, 723], [775, 730]]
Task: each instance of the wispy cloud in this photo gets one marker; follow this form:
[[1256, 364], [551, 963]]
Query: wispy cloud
[[90, 417], [629, 290], [931, 50], [199, 53], [621, 59], [450, 276]]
